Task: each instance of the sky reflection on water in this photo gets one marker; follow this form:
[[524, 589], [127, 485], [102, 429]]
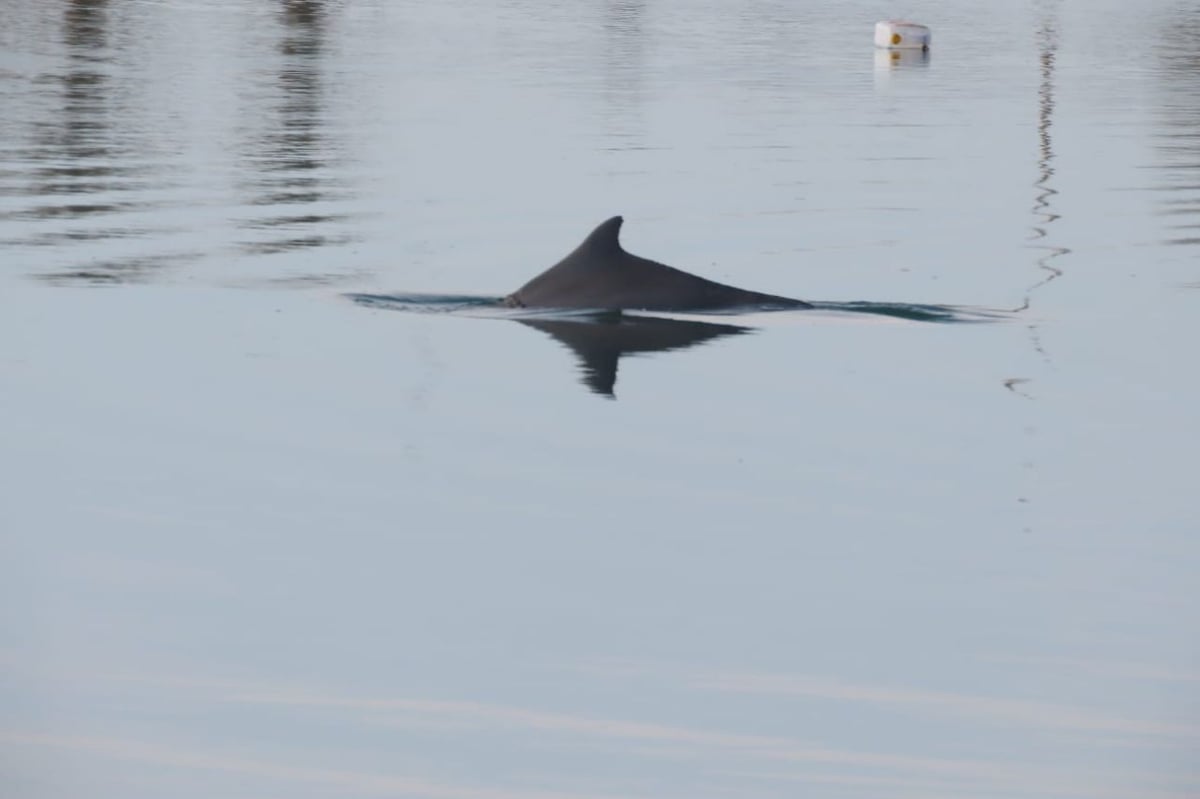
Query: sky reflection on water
[[264, 538]]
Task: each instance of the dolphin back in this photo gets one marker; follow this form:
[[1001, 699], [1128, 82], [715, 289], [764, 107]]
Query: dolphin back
[[600, 274]]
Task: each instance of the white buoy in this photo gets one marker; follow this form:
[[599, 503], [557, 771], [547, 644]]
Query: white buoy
[[897, 34]]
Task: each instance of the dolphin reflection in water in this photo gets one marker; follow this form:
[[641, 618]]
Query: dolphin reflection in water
[[599, 341], [584, 300]]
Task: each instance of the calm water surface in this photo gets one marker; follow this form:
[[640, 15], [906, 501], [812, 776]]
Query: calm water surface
[[260, 540]]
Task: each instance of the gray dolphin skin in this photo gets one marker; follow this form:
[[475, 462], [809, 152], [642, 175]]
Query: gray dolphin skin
[[599, 274]]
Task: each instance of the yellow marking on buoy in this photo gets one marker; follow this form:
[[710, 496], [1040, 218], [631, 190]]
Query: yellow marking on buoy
[[895, 38]]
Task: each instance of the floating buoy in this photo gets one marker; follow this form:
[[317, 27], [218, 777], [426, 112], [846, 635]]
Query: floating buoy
[[896, 34]]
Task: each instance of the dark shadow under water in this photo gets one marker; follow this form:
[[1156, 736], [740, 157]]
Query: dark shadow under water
[[599, 341], [600, 338]]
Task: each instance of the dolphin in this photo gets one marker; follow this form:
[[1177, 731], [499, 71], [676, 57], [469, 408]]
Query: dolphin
[[600, 275]]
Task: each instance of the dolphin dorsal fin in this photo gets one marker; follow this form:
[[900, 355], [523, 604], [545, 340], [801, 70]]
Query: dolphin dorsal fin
[[604, 240], [599, 275]]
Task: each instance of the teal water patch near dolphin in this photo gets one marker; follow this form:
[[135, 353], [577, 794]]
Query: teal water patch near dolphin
[[461, 304], [917, 312]]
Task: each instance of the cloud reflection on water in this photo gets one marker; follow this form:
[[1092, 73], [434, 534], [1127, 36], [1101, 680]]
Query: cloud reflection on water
[[774, 760], [158, 754]]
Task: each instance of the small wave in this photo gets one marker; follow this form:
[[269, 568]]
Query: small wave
[[917, 312], [427, 303], [491, 306]]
